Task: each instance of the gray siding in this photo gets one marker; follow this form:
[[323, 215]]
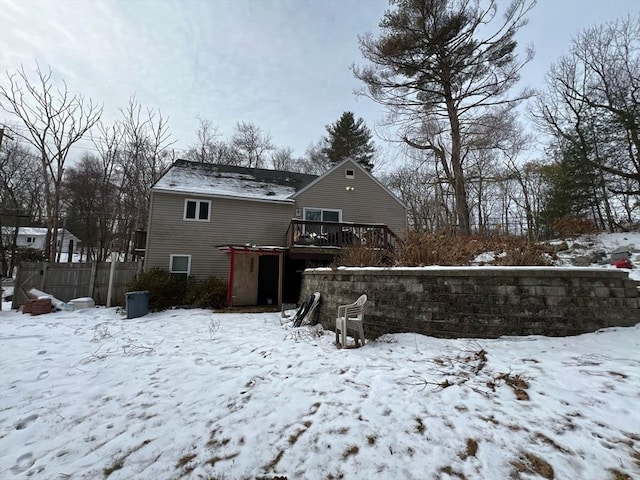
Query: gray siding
[[368, 202], [235, 222]]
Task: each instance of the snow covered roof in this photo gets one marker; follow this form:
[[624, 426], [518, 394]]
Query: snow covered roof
[[35, 231], [230, 181]]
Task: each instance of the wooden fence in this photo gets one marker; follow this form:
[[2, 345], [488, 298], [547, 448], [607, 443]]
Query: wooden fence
[[66, 281]]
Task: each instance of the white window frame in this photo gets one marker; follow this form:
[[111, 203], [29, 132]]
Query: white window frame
[[306, 209], [311, 229], [31, 239], [198, 203], [351, 175], [172, 256]]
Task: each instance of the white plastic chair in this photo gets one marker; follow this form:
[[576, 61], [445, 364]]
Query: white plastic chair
[[351, 317]]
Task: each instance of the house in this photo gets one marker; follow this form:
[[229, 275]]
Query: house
[[34, 237], [259, 229]]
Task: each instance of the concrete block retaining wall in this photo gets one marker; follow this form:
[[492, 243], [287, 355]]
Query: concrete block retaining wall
[[481, 302]]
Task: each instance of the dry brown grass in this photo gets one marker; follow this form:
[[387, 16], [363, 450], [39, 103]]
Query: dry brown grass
[[530, 463], [421, 249], [549, 441], [118, 463], [294, 437], [215, 459], [184, 462], [567, 227], [516, 382], [618, 475], [472, 447], [453, 473], [362, 256], [351, 451], [274, 463], [420, 428]]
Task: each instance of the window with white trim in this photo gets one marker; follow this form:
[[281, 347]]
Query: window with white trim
[[320, 215], [180, 264], [198, 210], [349, 173], [323, 214]]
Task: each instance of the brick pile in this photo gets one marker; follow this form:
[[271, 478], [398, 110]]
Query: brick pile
[[37, 306], [40, 306]]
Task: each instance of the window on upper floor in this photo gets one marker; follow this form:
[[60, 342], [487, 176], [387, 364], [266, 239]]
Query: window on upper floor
[[31, 239], [198, 210], [349, 173], [180, 264], [322, 214]]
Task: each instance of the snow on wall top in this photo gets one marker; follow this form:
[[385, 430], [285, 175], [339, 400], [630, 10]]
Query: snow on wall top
[[231, 181]]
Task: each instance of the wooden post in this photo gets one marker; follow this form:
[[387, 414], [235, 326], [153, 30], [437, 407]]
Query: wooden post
[[112, 275], [43, 277], [230, 286], [92, 280], [280, 277]]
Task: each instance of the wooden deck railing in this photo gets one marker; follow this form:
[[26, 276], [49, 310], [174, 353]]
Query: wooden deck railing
[[338, 234]]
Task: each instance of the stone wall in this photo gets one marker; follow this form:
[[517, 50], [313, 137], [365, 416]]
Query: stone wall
[[482, 302]]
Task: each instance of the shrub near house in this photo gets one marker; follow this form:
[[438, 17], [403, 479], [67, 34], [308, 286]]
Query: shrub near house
[[168, 290]]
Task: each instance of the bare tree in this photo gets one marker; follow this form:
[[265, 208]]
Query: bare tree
[[206, 150], [608, 59], [252, 144], [282, 159], [146, 154], [441, 68], [20, 197], [422, 187], [315, 161], [110, 146], [54, 120], [530, 179], [591, 108]]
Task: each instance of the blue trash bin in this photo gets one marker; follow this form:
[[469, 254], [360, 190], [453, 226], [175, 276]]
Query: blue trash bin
[[137, 303]]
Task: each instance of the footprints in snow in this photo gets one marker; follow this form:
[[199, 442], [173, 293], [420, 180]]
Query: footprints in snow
[[25, 422], [23, 463]]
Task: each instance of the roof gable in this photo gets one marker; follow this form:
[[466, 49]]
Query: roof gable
[[230, 181], [356, 165]]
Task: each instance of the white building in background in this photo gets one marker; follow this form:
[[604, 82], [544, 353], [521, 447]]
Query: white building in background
[[34, 237]]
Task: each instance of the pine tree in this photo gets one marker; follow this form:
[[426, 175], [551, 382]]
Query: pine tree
[[444, 69], [572, 188], [350, 138]]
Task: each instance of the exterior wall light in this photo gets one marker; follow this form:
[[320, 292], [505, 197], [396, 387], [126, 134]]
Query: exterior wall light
[[350, 188]]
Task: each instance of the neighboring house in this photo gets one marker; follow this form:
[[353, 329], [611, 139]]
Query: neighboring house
[[258, 229], [34, 237]]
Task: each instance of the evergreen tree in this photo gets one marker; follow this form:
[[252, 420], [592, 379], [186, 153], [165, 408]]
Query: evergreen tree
[[572, 189], [350, 138], [445, 69]]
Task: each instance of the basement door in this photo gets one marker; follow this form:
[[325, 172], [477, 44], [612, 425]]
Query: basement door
[[268, 275]]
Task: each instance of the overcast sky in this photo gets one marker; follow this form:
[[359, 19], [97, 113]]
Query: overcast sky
[[281, 64]]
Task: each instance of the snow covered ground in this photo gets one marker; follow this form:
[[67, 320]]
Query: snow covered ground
[[192, 394], [199, 395]]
